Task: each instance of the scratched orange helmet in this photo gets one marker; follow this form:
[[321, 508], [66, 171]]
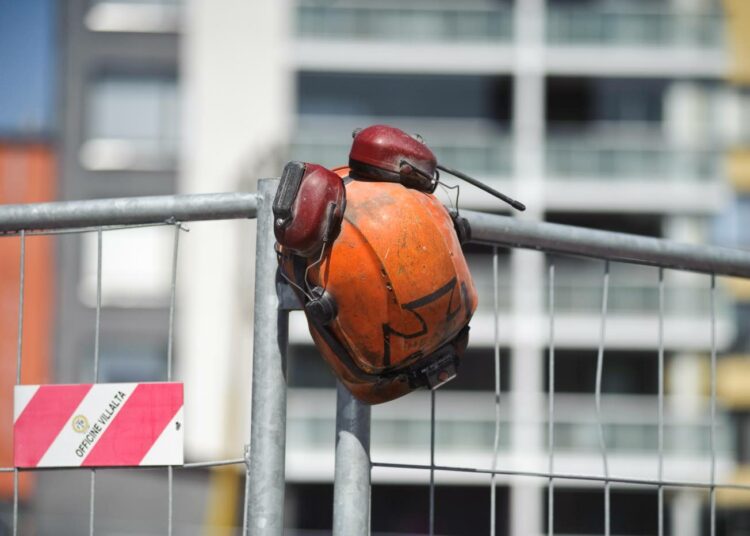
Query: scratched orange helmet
[[376, 260]]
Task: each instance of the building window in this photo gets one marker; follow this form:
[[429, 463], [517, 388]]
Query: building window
[[124, 358], [136, 268], [124, 361], [132, 124], [624, 372], [581, 511], [142, 16]]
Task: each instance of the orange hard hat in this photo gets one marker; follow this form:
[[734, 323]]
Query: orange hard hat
[[387, 291]]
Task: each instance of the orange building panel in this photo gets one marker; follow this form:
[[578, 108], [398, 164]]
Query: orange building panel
[[738, 26], [27, 175]]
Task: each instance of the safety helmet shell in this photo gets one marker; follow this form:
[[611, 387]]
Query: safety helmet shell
[[402, 288]]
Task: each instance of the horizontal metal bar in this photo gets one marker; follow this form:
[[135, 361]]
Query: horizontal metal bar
[[191, 465], [564, 476], [126, 211], [485, 228], [217, 463], [556, 238]]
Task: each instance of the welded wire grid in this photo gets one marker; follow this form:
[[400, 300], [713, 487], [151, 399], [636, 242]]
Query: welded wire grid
[[605, 478], [551, 475], [100, 232]]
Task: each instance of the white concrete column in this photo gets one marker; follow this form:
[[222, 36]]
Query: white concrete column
[[526, 514], [685, 113], [527, 371], [686, 125], [236, 79], [686, 379], [689, 229], [686, 513], [685, 385], [689, 286]]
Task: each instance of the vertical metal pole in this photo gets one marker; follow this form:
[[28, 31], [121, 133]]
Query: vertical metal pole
[[551, 405], [712, 491], [432, 463], [496, 441], [351, 484], [660, 472], [265, 497], [245, 513], [170, 351], [19, 362], [598, 398], [97, 331]]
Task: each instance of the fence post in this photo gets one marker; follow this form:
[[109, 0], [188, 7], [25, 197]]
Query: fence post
[[265, 496], [351, 485]]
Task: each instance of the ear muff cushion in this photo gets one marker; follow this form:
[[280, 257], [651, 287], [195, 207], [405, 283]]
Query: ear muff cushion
[[308, 208], [322, 307]]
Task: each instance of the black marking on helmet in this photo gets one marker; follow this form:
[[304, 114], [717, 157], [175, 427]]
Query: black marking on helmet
[[412, 306], [466, 299], [450, 315]]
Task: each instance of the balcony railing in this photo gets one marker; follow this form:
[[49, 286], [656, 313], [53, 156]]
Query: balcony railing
[[637, 300], [637, 25], [483, 22], [421, 22], [632, 429], [481, 158], [634, 299], [627, 153], [470, 145], [142, 16], [604, 152]]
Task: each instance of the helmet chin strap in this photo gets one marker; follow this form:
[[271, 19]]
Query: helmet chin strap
[[512, 202]]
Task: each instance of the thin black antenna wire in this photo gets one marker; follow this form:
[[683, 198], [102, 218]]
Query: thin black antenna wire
[[512, 202]]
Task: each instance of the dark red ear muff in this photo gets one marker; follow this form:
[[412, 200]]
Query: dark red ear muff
[[385, 153], [308, 208]]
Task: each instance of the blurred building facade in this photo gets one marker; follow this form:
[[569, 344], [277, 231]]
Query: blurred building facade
[[602, 113], [732, 230], [28, 174]]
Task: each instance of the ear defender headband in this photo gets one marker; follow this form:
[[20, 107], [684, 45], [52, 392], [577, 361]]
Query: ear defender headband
[[308, 208]]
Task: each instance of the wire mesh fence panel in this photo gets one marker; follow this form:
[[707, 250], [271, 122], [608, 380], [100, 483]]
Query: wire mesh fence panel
[[576, 440], [653, 456], [106, 221]]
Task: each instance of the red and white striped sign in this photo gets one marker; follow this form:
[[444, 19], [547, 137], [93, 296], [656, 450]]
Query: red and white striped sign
[[97, 425]]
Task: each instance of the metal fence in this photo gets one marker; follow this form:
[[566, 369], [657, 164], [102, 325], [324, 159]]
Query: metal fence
[[264, 458], [107, 215]]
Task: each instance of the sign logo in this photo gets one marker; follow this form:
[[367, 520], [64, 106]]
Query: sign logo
[[80, 424]]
